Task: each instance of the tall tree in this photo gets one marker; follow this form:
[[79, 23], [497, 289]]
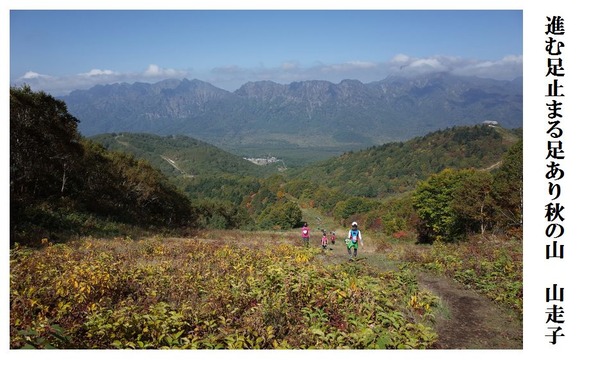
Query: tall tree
[[473, 202], [434, 202], [508, 187]]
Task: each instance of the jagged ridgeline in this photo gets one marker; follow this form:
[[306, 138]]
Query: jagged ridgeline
[[397, 167], [304, 121]]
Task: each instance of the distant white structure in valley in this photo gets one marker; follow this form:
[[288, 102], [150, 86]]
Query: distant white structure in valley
[[490, 122], [263, 161]]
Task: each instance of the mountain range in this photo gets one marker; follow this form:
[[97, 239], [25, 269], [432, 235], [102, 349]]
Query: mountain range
[[315, 119]]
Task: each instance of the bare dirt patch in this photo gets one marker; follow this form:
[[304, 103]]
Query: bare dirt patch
[[471, 320]]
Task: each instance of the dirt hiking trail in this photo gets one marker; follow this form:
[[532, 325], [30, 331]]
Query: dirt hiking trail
[[472, 322], [466, 320]]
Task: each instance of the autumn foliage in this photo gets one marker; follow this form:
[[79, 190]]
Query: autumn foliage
[[189, 293]]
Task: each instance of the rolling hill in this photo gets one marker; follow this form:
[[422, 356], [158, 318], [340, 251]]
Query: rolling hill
[[205, 170], [396, 167], [182, 156]]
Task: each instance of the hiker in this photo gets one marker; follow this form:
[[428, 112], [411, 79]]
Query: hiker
[[332, 238], [305, 234], [324, 240], [354, 236]]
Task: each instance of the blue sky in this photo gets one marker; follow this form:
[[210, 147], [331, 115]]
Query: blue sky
[[59, 51]]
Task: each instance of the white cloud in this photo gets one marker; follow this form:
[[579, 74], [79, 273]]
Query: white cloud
[[60, 86], [513, 59], [348, 66], [428, 64], [508, 67], [361, 64], [97, 72], [233, 76], [290, 65], [400, 59], [154, 71], [34, 75]]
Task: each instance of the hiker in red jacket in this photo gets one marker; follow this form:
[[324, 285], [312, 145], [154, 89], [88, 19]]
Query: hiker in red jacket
[[324, 240]]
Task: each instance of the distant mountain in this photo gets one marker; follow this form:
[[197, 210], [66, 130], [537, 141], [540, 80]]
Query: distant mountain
[[266, 117], [157, 108]]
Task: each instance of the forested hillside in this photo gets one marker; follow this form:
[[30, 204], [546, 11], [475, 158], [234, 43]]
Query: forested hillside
[[226, 190], [60, 181], [397, 167], [450, 201], [178, 155]]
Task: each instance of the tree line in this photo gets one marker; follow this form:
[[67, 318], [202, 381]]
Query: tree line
[[62, 182], [395, 168]]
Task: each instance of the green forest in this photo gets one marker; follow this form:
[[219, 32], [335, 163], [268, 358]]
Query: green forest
[[93, 264]]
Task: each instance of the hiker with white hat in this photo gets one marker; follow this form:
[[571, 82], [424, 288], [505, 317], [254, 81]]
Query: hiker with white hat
[[354, 237]]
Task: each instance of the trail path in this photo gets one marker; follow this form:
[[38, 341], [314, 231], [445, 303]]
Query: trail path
[[176, 167], [472, 322], [466, 320]]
